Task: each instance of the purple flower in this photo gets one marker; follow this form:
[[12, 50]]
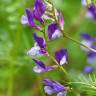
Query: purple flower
[[61, 21], [87, 40], [39, 10], [39, 47], [52, 87], [61, 56], [40, 67], [29, 19], [39, 41], [35, 14], [53, 31], [91, 12], [91, 58], [34, 51], [88, 69]]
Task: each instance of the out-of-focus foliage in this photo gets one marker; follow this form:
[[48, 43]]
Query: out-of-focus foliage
[[16, 75]]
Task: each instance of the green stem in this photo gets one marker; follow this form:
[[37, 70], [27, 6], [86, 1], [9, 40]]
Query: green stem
[[61, 67], [13, 56], [11, 81], [77, 42]]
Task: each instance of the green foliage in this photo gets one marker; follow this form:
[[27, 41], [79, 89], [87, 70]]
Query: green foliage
[[85, 84]]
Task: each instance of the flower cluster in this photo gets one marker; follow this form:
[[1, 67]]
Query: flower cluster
[[91, 11], [40, 13], [36, 17], [91, 56]]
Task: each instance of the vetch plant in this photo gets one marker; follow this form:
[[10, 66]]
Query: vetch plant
[[42, 11]]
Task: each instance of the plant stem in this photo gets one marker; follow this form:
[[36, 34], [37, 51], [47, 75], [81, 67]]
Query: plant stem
[[77, 42], [11, 81], [13, 55]]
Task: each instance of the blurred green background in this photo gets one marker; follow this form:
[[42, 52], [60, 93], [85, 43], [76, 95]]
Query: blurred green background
[[16, 75]]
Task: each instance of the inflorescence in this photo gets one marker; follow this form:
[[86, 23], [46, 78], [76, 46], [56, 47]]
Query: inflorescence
[[44, 10]]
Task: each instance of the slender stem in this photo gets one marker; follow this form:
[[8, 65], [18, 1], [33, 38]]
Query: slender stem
[[11, 81], [13, 55], [77, 42], [61, 67]]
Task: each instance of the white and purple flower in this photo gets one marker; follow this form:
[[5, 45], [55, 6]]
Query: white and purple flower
[[52, 87], [34, 14], [87, 40], [39, 10], [53, 31], [41, 67], [91, 12], [61, 56], [39, 48], [39, 41]]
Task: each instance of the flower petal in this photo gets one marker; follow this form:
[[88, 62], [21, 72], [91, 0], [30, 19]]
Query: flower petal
[[91, 58], [34, 51], [61, 21], [87, 43], [61, 56], [56, 87], [40, 41], [88, 37], [41, 67], [61, 94], [30, 17], [39, 10], [89, 15], [48, 90], [53, 31], [92, 9], [88, 69], [38, 69], [24, 20], [39, 63]]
